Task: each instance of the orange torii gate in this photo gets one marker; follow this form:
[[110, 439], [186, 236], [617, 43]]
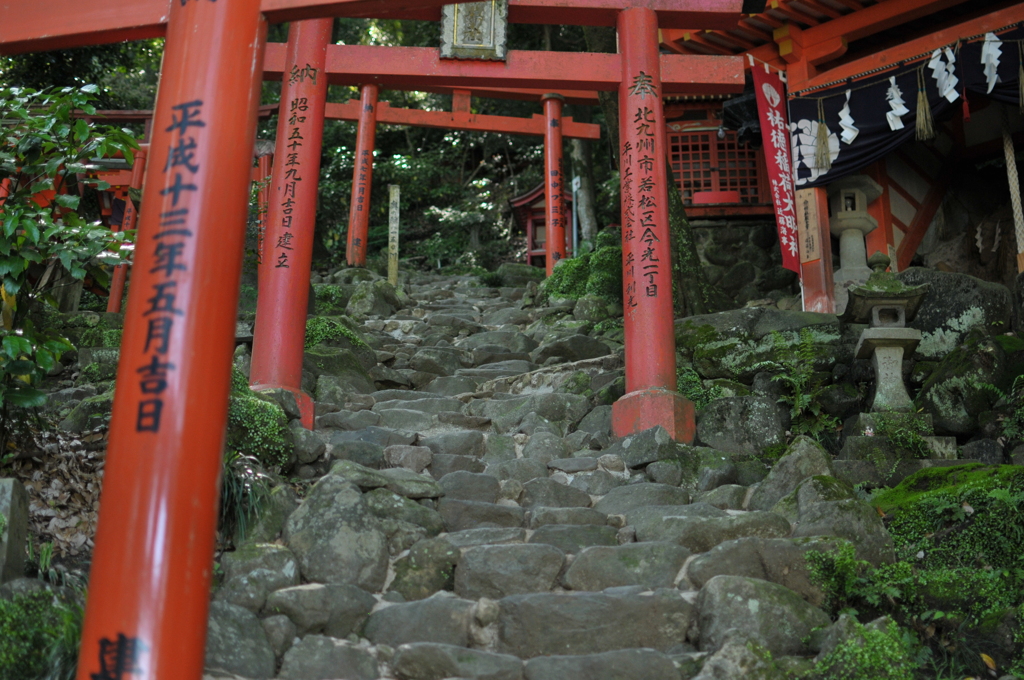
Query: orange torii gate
[[150, 578]]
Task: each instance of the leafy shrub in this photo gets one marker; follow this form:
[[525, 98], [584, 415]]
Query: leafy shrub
[[491, 280], [244, 491], [29, 624], [872, 653], [41, 149]]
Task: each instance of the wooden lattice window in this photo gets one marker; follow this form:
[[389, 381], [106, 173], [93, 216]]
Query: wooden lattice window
[[703, 162]]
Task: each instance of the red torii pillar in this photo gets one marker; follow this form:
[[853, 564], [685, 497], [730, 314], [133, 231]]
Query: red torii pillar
[[362, 178], [650, 398], [131, 216], [553, 177], [149, 585], [280, 329]]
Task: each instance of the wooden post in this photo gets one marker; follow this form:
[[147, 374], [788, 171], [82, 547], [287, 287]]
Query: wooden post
[[280, 332], [149, 585], [362, 179], [816, 278], [394, 206], [650, 398]]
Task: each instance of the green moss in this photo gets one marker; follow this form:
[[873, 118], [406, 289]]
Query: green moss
[[605, 279], [689, 384], [326, 329], [569, 279], [906, 431], [577, 383], [607, 238], [256, 427]]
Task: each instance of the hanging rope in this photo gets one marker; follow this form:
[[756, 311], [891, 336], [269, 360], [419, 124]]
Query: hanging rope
[[925, 126], [822, 155], [1014, 180]]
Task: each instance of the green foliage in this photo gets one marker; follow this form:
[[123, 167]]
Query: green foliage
[[957, 533], [41, 147], [29, 624], [101, 336], [325, 329], [491, 280], [1012, 403], [690, 385], [906, 431], [887, 654], [256, 427], [244, 492], [794, 367], [605, 280]]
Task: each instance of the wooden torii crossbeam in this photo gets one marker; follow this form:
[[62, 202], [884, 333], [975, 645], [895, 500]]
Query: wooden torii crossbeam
[[150, 578]]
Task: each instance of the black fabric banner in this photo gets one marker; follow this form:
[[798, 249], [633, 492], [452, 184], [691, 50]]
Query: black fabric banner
[[868, 106]]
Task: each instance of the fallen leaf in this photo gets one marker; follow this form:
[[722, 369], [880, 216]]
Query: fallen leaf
[[989, 661]]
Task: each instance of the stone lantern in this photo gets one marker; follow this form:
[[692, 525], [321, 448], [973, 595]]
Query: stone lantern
[[850, 221]]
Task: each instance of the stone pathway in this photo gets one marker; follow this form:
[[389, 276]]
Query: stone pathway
[[472, 516]]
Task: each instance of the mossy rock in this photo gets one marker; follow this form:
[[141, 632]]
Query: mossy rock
[[605, 279], [732, 344], [958, 391], [568, 280], [331, 298], [341, 332], [90, 413], [515, 274], [333, 361]]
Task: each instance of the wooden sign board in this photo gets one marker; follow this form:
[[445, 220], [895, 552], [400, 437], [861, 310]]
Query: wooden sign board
[[807, 225], [475, 30]]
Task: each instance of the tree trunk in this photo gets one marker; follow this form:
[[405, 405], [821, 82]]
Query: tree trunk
[[693, 294], [602, 39], [583, 167]]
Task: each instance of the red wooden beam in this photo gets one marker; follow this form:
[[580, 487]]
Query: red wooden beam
[[51, 24], [412, 67], [860, 24], [60, 24], [461, 120], [928, 43]]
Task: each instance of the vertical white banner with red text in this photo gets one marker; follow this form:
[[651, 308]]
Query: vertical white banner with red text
[[771, 107]]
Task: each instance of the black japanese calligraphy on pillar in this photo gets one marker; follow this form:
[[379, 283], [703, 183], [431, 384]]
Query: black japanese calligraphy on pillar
[[171, 239], [557, 218], [119, 659], [643, 253], [297, 107], [299, 74]]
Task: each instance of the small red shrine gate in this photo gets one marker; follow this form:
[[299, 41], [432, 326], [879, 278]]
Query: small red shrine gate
[[530, 213]]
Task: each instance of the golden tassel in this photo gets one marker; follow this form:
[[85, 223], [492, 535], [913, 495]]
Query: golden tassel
[[925, 126], [822, 155]]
